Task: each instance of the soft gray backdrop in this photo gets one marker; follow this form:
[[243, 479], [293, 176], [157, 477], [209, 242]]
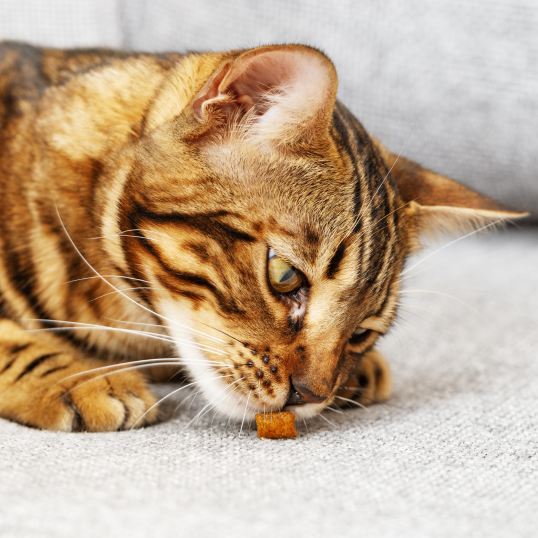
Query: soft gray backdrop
[[455, 81]]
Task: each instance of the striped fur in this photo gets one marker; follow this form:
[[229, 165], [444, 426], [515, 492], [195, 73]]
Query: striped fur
[[170, 176]]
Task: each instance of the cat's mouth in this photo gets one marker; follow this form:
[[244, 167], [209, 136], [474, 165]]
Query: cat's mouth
[[303, 403]]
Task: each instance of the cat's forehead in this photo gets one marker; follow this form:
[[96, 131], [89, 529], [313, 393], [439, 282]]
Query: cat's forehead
[[316, 185], [303, 201]]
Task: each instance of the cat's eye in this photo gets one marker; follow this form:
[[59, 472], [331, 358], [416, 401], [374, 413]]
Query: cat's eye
[[284, 278], [359, 335]]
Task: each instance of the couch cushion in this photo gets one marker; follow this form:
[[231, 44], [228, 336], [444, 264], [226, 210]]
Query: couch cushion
[[62, 23]]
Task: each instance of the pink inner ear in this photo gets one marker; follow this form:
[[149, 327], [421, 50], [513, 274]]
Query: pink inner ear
[[209, 93], [263, 76], [279, 87]]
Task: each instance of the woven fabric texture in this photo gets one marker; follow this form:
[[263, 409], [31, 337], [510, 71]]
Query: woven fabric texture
[[62, 23], [453, 453]]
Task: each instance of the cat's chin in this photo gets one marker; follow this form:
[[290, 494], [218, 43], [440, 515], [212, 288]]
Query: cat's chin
[[307, 410], [241, 407]]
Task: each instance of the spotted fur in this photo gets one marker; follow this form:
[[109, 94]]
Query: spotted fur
[[142, 192]]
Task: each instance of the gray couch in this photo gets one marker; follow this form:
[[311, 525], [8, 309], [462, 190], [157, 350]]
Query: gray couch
[[455, 451]]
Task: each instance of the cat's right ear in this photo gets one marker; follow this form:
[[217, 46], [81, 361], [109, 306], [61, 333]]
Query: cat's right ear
[[280, 93], [439, 205]]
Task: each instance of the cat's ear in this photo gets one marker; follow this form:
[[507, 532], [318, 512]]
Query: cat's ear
[[439, 204], [283, 92]]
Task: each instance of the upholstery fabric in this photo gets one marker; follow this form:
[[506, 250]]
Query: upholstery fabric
[[453, 453], [62, 23]]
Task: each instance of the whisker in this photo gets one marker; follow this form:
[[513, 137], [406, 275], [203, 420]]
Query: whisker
[[90, 326], [453, 242], [108, 276], [192, 401], [213, 399], [361, 213], [352, 401], [135, 322], [327, 420], [117, 371], [163, 338], [172, 393], [148, 362], [388, 215], [126, 296], [412, 314], [381, 404], [217, 411], [122, 235], [208, 404], [452, 258], [225, 333], [435, 289], [148, 231], [119, 291], [450, 297], [193, 396], [335, 410], [425, 310], [245, 413], [231, 414], [118, 365], [157, 325]]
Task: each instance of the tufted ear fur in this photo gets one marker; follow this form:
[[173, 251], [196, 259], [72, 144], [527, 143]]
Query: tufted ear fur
[[440, 205], [285, 92]]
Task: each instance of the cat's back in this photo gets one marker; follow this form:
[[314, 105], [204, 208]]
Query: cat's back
[[27, 72], [67, 109]]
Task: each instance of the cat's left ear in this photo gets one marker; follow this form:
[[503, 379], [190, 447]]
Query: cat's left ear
[[286, 92], [439, 204]]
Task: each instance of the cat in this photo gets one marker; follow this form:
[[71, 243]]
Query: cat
[[221, 213]]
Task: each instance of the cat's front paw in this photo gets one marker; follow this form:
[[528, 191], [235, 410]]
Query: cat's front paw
[[117, 401], [372, 382]]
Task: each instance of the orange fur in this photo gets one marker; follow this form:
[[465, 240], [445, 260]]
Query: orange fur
[[142, 192]]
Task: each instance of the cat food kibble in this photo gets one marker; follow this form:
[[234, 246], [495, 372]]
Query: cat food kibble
[[276, 425]]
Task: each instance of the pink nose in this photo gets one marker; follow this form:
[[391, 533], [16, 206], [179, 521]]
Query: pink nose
[[300, 395]]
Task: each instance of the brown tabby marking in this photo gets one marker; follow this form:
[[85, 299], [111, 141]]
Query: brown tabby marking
[[140, 194]]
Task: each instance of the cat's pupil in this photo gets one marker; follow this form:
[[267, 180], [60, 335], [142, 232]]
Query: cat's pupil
[[284, 278]]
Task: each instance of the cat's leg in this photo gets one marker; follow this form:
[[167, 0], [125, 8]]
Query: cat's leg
[[36, 390], [371, 382]]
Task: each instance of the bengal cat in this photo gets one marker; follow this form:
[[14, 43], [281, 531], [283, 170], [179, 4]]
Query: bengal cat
[[221, 213]]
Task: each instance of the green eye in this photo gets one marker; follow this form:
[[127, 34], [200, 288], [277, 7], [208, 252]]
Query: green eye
[[283, 277]]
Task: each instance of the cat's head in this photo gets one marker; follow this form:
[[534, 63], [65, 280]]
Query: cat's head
[[272, 228]]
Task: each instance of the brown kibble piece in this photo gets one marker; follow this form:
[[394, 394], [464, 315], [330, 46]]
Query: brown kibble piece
[[276, 425]]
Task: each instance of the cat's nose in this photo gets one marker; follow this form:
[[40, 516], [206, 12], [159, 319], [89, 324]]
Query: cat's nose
[[300, 395]]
